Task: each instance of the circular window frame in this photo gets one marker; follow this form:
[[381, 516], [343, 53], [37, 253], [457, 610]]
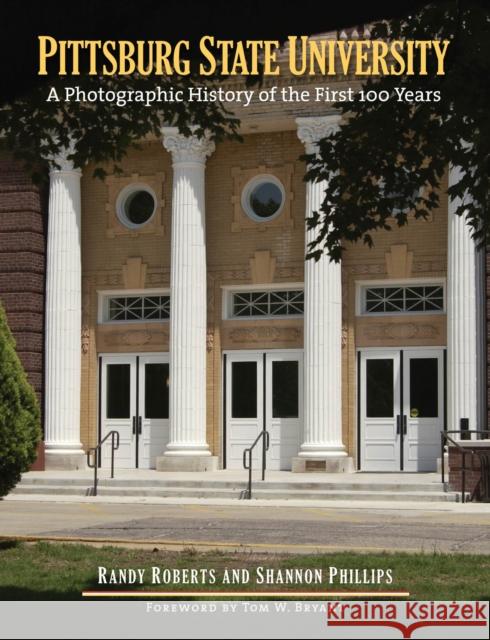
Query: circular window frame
[[122, 198], [251, 185]]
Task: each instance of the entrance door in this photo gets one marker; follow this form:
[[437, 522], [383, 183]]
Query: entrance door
[[423, 412], [401, 409], [134, 402], [263, 390]]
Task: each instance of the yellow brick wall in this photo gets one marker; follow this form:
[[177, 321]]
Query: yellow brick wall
[[229, 253]]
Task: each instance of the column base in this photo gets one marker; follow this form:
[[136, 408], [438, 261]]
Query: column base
[[64, 460], [325, 464], [187, 463]]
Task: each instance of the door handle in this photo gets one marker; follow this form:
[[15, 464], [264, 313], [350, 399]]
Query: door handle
[[398, 425], [134, 425], [404, 425], [139, 425]]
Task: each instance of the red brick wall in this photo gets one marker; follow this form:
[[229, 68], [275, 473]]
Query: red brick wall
[[487, 281], [22, 250], [472, 473]]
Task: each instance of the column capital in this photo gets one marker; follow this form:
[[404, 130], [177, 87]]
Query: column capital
[[185, 149], [60, 162], [311, 129]]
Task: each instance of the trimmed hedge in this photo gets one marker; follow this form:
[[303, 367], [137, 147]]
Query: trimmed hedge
[[20, 429]]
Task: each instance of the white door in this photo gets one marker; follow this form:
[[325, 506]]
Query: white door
[[380, 410], [401, 409], [134, 402], [153, 385], [283, 407], [244, 384], [118, 409], [263, 390], [423, 420]]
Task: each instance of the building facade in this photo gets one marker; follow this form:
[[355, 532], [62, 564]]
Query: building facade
[[179, 311]]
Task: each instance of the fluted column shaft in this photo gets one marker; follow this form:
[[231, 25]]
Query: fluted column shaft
[[63, 318], [322, 325], [465, 304], [188, 295]]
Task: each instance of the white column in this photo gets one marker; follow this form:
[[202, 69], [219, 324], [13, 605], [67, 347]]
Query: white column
[[63, 319], [187, 448], [465, 306], [322, 332]]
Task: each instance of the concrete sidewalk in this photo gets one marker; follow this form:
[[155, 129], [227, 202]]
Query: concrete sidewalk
[[257, 527]]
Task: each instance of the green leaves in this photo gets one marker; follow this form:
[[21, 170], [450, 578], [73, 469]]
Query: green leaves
[[36, 129], [389, 159]]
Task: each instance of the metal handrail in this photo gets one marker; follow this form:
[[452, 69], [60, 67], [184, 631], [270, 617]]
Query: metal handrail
[[247, 493], [445, 438], [96, 451]]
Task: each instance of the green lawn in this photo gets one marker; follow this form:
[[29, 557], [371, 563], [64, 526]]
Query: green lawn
[[55, 571]]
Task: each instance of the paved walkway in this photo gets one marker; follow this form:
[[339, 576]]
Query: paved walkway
[[284, 528]]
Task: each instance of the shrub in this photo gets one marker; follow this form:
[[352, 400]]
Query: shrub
[[20, 429]]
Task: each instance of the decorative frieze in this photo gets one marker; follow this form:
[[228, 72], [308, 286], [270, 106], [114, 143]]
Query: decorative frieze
[[111, 338], [85, 339], [429, 330], [265, 334], [262, 267], [399, 261], [134, 273]]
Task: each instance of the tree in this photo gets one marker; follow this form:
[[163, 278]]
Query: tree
[[19, 413], [36, 130], [389, 158]]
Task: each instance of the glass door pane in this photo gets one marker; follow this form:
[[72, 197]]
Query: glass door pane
[[423, 411], [244, 390], [285, 389], [379, 388], [118, 391], [424, 388], [156, 390], [118, 408]]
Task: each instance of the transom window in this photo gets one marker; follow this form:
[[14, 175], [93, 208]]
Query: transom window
[[124, 308], [252, 304], [403, 299]]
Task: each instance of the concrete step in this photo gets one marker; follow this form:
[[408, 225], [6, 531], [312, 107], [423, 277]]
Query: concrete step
[[259, 492], [237, 485]]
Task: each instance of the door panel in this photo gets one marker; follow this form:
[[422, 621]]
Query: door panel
[[423, 398], [380, 401], [284, 407], [153, 409], [250, 375], [118, 407], [244, 402]]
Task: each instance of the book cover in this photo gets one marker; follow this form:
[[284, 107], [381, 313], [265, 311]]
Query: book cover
[[244, 319]]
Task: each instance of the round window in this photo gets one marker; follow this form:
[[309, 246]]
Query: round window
[[263, 198], [136, 205]]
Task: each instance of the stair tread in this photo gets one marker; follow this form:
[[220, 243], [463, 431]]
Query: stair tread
[[211, 490]]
